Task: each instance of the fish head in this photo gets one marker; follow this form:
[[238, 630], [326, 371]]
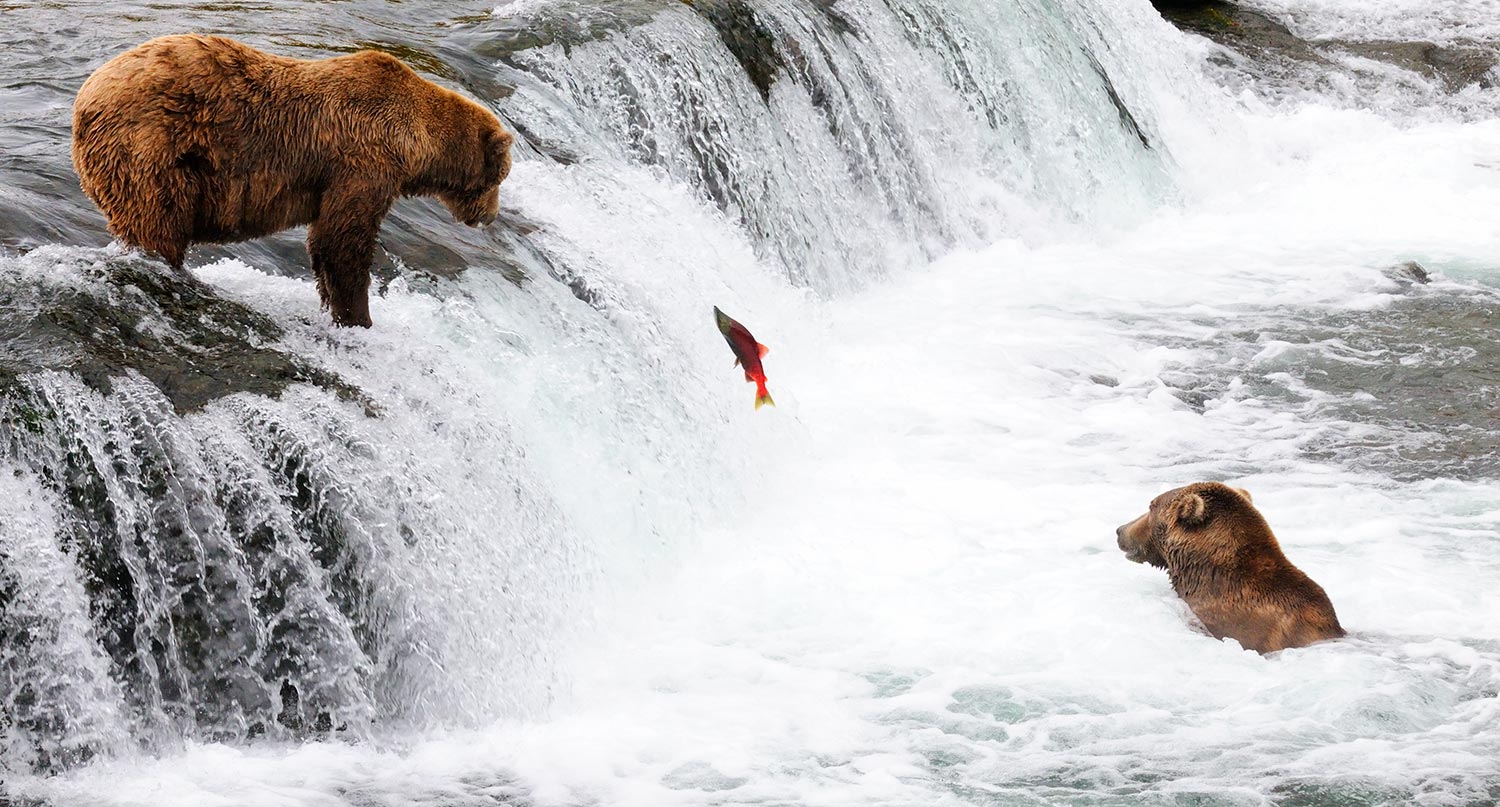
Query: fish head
[[726, 325]]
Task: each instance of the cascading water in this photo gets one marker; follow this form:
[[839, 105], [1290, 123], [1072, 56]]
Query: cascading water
[[526, 541], [262, 567], [850, 138]]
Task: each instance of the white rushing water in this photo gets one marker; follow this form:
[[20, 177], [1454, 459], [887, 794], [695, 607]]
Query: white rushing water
[[601, 578], [1439, 21]]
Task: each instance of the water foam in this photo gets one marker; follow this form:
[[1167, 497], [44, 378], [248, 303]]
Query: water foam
[[1442, 22], [900, 585]]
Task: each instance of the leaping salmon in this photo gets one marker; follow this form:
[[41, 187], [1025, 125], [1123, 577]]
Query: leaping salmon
[[747, 353]]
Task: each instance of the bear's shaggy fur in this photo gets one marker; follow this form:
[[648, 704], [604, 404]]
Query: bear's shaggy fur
[[1225, 563], [201, 139]]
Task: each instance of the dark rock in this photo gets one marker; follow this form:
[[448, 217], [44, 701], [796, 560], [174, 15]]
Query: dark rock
[[1271, 43], [1455, 66], [194, 345], [762, 52], [753, 45], [1238, 28], [1408, 272], [1127, 120], [1193, 390]]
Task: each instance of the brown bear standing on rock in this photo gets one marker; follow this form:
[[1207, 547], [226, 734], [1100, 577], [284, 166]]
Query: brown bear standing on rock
[[200, 139], [1226, 564]]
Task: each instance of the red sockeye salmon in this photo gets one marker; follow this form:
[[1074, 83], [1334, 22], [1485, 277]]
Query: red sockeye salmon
[[747, 353]]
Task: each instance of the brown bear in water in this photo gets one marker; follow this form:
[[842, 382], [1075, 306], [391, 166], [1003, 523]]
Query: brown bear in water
[[200, 139], [1226, 564]]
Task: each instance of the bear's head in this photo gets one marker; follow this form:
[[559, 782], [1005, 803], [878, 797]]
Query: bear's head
[[484, 150], [1177, 516]]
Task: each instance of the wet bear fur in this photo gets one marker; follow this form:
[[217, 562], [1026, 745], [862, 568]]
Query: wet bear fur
[[1226, 564], [200, 139]]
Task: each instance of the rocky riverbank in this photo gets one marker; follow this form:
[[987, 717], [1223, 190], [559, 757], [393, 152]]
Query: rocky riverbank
[[1273, 49]]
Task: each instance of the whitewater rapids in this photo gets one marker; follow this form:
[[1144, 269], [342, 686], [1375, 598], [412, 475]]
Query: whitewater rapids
[[900, 585]]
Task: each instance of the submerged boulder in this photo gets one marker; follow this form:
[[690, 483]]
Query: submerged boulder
[[1408, 272]]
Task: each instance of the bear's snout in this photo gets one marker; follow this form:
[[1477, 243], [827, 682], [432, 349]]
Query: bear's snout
[[1131, 539], [474, 210], [483, 217]]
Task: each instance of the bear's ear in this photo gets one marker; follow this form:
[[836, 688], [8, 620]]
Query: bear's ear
[[1244, 493], [497, 155], [1189, 509]]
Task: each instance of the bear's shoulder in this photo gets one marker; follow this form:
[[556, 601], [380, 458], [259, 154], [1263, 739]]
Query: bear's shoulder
[[377, 64]]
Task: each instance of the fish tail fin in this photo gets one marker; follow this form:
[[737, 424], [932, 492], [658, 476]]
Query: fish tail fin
[[762, 395]]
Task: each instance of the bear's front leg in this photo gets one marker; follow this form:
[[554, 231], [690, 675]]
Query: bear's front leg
[[340, 244]]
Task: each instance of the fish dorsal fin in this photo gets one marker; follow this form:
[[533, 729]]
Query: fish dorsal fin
[[763, 349]]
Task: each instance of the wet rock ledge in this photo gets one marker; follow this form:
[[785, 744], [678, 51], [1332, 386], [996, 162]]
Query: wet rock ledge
[[1267, 41], [128, 314]]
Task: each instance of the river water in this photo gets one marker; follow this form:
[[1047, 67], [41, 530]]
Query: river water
[[1021, 267]]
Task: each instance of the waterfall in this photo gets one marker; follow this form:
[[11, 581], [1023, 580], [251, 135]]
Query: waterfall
[[220, 520], [849, 139]]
